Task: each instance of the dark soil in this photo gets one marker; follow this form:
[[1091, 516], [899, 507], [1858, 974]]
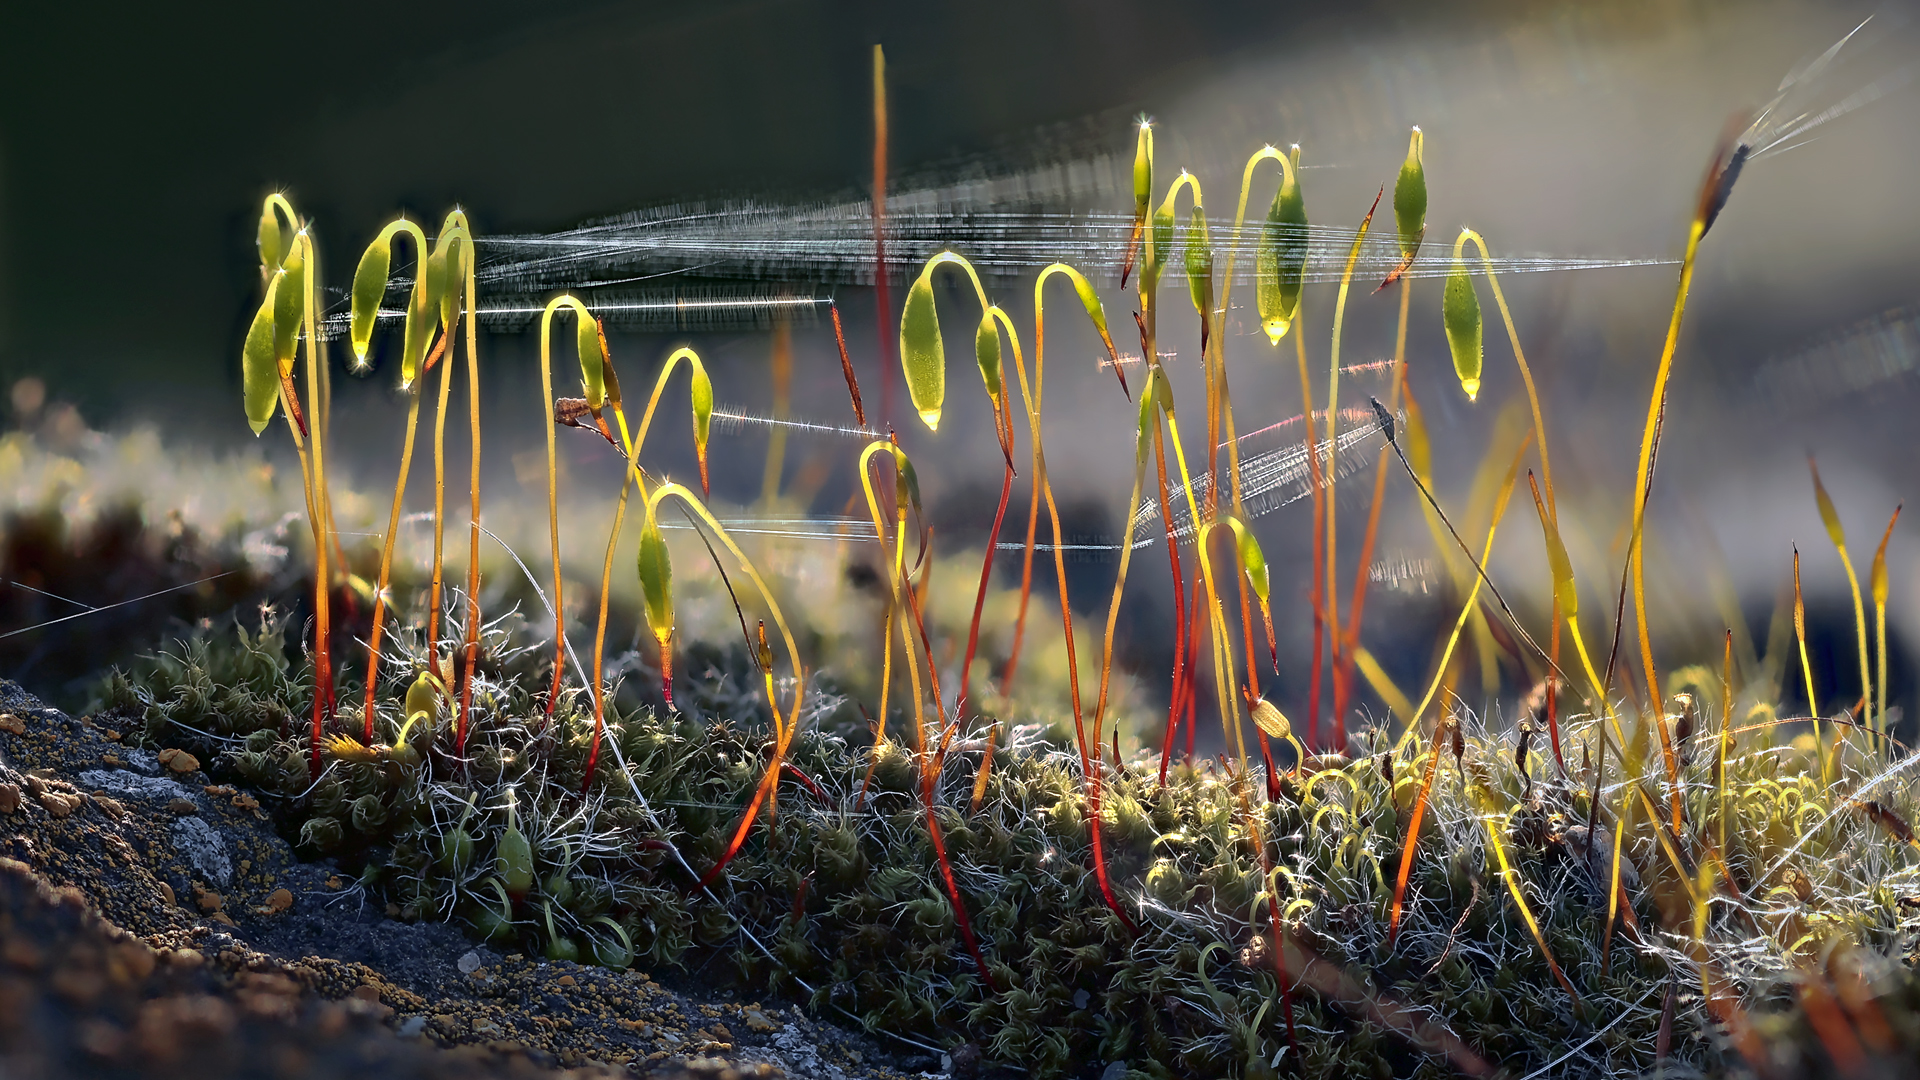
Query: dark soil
[[153, 923]]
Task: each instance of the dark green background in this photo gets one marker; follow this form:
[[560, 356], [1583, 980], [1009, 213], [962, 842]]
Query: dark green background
[[137, 139]]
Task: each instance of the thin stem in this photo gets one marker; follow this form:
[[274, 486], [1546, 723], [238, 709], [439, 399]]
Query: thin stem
[[386, 562], [1339, 721], [471, 304]]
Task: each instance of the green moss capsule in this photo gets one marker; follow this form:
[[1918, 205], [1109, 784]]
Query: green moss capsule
[[259, 371], [923, 356], [1410, 197], [1461, 313], [1199, 264], [656, 580], [986, 352], [267, 237], [1280, 255], [289, 304]]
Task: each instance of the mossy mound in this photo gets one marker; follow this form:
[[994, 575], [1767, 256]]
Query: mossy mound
[[837, 895]]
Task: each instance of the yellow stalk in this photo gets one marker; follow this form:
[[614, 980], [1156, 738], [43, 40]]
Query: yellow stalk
[[1643, 475], [692, 502], [320, 511], [386, 558], [1806, 670], [1877, 579], [470, 296], [1265, 153], [1726, 738], [1473, 597], [1512, 880], [553, 484], [1333, 414], [1381, 682], [1520, 357], [1223, 666], [1831, 519], [439, 514]]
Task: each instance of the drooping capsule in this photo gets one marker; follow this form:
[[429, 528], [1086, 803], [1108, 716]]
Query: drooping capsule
[[986, 353], [656, 589], [923, 356], [259, 371], [1461, 312], [1280, 255]]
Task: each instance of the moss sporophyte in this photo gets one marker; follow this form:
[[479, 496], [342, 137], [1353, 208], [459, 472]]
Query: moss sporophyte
[[1438, 897]]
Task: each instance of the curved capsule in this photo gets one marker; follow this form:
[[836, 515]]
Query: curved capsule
[[1159, 242], [267, 237], [370, 287], [656, 580], [1253, 562], [259, 370], [1461, 311], [423, 699], [1280, 255], [289, 305], [1200, 264], [986, 352], [923, 355], [702, 395]]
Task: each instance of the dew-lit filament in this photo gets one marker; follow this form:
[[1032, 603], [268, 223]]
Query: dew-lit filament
[[1270, 479]]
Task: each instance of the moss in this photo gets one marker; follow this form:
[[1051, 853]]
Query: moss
[[840, 901]]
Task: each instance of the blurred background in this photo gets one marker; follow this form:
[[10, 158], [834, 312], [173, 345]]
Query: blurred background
[[136, 144]]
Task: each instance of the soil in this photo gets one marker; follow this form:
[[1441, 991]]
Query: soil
[[153, 923]]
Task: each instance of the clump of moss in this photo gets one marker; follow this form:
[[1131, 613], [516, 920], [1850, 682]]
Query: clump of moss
[[839, 900]]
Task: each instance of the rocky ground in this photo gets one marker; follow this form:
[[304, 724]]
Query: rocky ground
[[153, 923]]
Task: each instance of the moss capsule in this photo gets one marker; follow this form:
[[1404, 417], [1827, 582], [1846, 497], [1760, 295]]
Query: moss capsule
[[1460, 311], [923, 356]]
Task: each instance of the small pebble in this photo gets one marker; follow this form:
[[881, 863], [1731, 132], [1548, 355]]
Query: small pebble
[[13, 724], [470, 962], [182, 807]]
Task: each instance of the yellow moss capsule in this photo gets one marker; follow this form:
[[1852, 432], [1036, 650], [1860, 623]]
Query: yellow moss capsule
[[1271, 720], [423, 699], [1461, 312], [923, 356]]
